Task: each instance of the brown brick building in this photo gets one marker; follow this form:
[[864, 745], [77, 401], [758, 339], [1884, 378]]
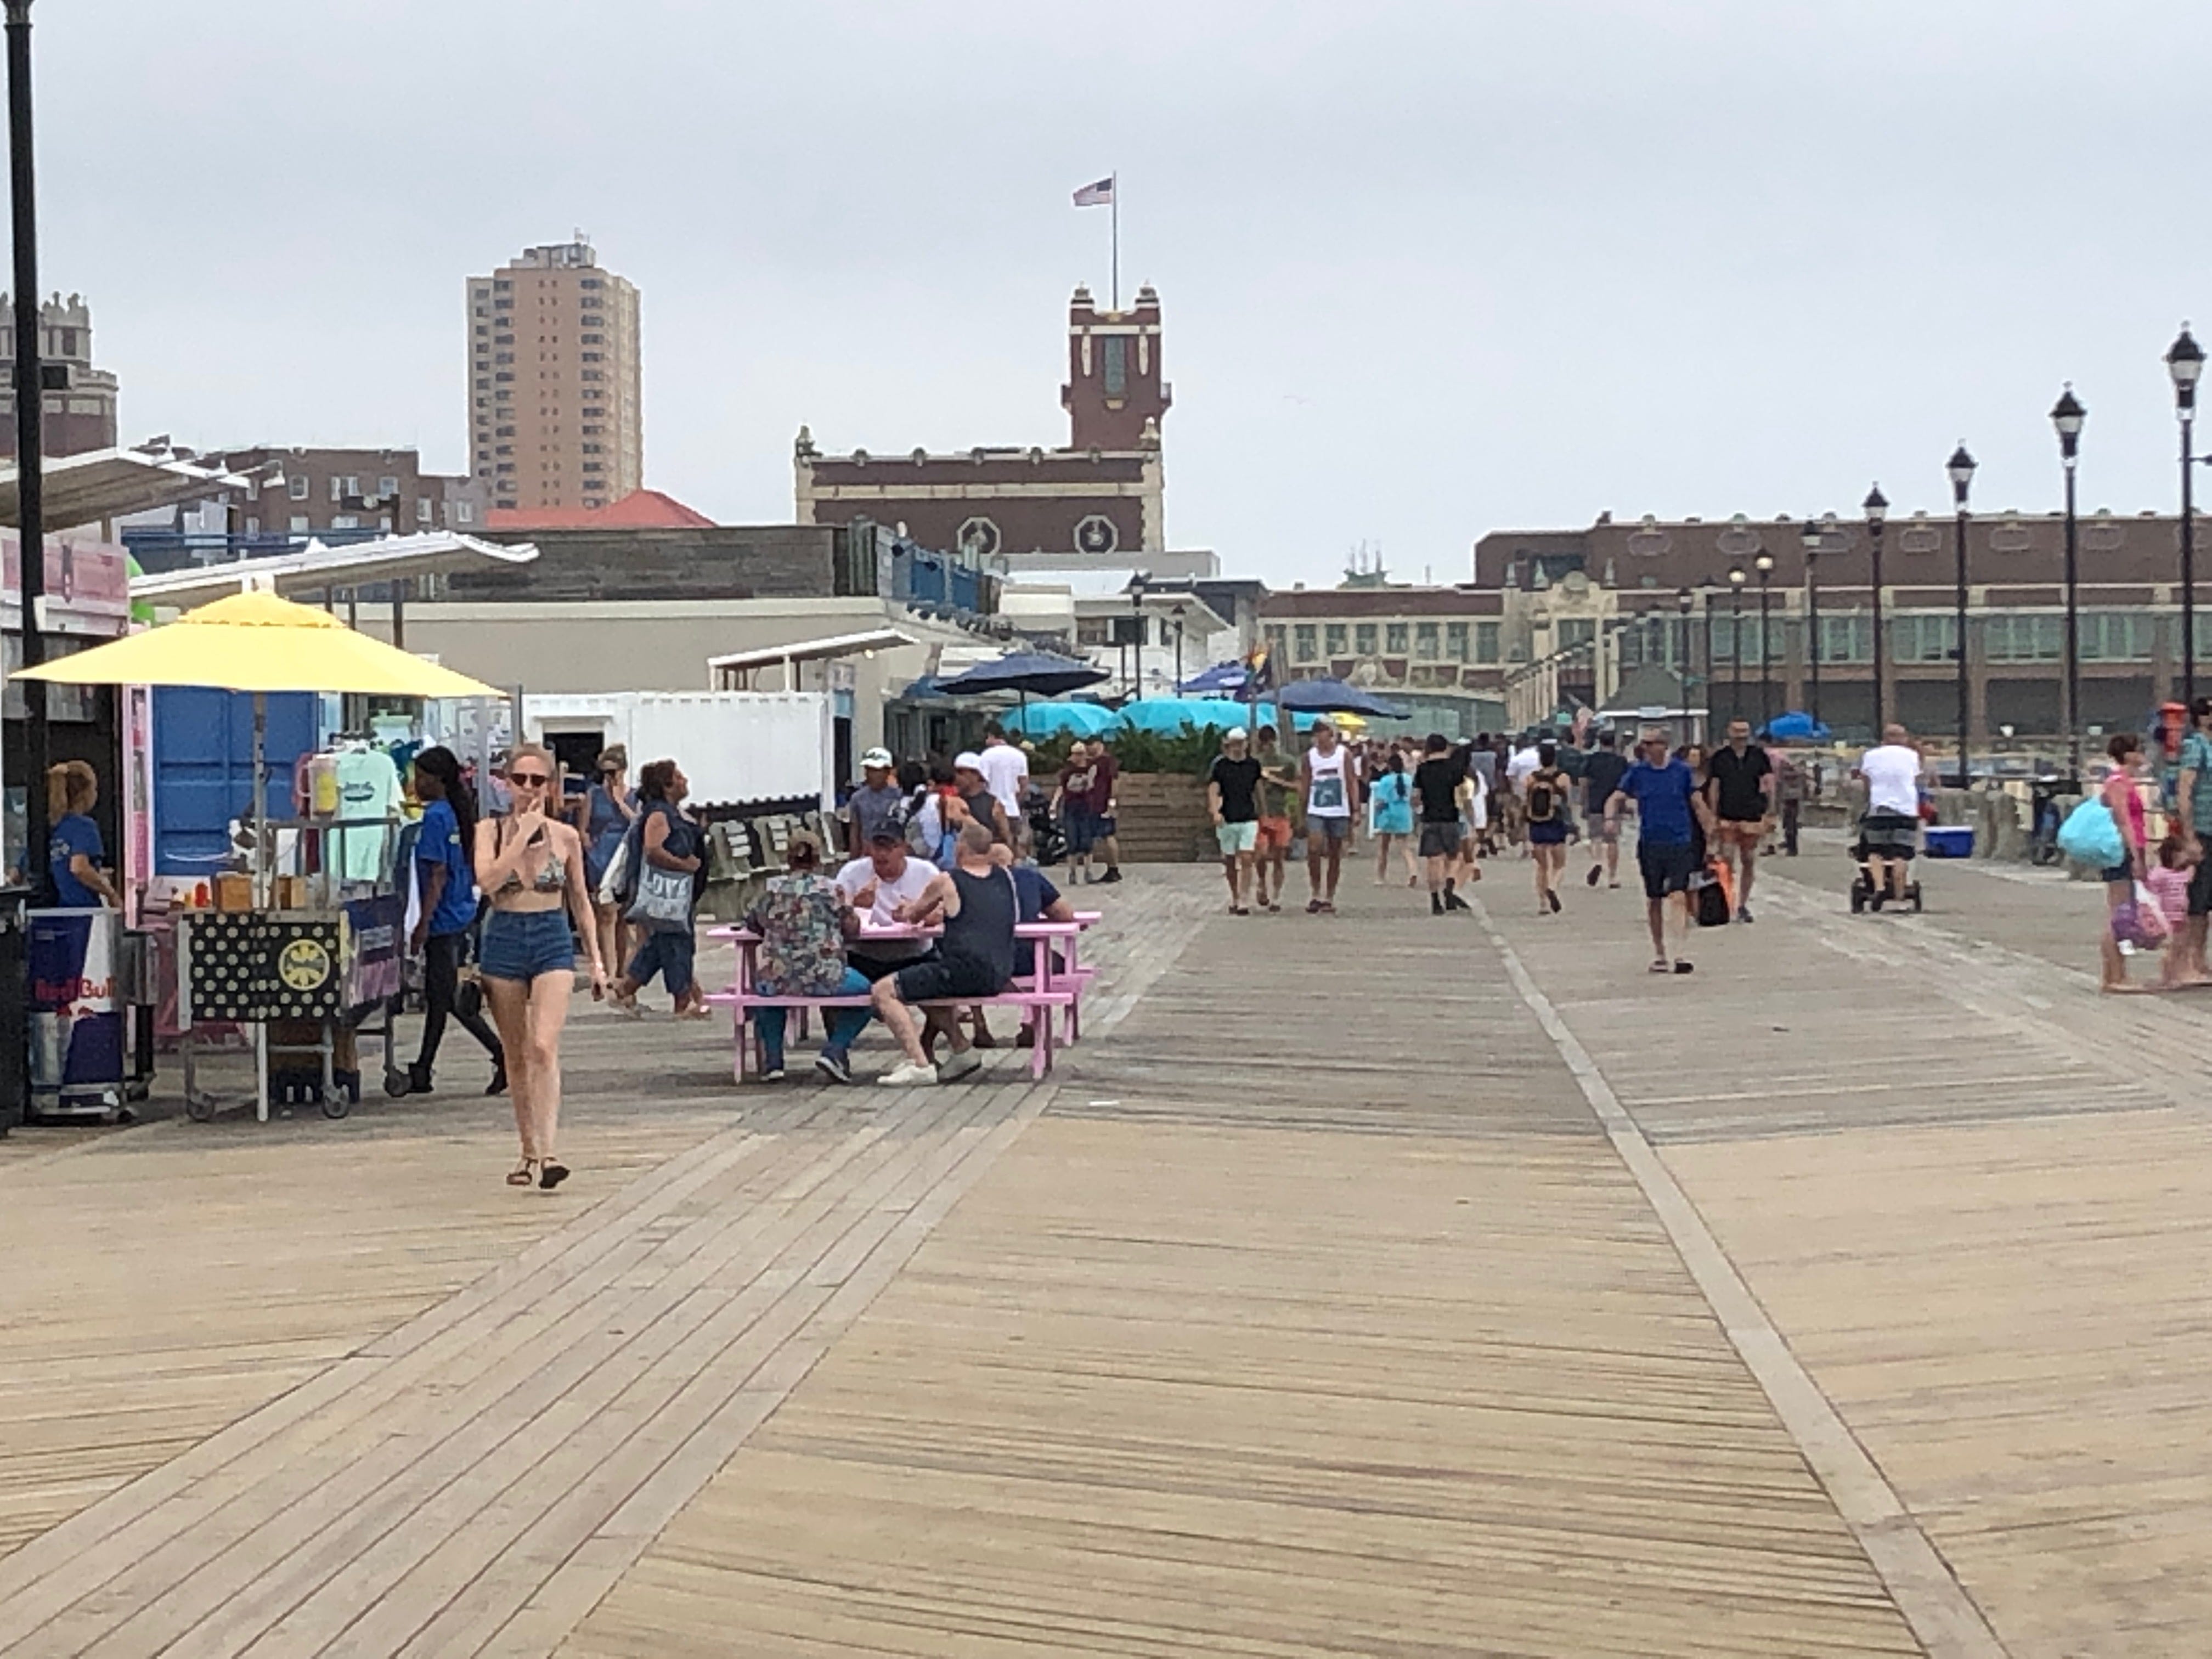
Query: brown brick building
[[1105, 493], [1602, 601], [375, 489], [1439, 652], [82, 418]]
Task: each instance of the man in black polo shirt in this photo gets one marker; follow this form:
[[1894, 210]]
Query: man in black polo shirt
[[1740, 789]]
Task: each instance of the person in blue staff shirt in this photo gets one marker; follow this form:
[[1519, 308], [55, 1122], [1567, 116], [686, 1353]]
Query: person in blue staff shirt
[[448, 885], [74, 851]]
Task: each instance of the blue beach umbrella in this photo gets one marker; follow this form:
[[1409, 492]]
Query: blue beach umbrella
[[1075, 719], [1169, 715]]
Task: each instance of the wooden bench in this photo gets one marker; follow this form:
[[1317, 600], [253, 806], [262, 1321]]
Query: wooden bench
[[1037, 1003]]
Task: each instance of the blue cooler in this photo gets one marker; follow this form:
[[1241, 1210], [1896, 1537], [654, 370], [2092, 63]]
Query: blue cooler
[[1949, 842]]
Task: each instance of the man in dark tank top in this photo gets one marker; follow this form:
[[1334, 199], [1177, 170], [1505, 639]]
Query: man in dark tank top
[[974, 958]]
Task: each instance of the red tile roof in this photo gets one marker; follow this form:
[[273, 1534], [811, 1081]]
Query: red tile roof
[[641, 509]]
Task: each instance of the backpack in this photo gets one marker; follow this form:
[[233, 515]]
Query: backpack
[[1543, 798]]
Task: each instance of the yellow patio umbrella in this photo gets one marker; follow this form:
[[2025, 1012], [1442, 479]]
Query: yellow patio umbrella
[[258, 642]]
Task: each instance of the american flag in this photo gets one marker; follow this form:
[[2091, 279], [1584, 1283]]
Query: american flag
[[1098, 195]]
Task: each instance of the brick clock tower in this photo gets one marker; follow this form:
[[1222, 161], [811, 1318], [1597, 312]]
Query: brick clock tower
[[1104, 496], [1115, 394]]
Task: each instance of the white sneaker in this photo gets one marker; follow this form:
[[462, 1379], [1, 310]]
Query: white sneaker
[[905, 1074]]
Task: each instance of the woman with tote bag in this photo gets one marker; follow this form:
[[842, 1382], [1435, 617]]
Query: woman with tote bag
[[664, 860]]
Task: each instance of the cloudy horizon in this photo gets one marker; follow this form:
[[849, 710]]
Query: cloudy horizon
[[1427, 271]]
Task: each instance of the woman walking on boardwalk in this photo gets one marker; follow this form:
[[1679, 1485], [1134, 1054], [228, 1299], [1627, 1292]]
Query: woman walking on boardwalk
[[605, 815], [531, 866]]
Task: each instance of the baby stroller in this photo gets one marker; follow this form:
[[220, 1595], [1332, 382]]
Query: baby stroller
[[1887, 835], [1047, 843]]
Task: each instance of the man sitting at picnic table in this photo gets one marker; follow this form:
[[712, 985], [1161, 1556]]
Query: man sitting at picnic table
[[876, 885], [974, 958], [803, 922]]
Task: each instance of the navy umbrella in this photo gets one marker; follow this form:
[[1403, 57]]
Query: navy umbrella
[[1224, 679], [1033, 673], [1335, 698]]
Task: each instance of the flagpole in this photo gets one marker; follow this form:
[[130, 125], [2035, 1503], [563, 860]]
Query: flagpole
[[1113, 208]]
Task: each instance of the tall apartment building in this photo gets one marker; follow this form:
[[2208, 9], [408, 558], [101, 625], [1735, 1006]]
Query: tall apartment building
[[81, 417], [555, 416]]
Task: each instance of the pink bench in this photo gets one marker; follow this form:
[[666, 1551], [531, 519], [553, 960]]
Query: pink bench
[[1053, 987], [1039, 1004]]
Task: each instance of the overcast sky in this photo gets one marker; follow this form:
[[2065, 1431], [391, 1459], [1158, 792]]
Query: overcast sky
[[1428, 269]]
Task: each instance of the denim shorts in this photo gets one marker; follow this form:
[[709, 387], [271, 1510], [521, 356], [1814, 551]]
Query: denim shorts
[[520, 944]]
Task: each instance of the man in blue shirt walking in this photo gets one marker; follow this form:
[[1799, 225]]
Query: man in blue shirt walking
[[1665, 792]]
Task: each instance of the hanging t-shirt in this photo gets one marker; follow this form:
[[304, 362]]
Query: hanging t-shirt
[[368, 788]]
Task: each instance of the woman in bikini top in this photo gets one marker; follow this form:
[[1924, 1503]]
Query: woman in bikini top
[[552, 875]]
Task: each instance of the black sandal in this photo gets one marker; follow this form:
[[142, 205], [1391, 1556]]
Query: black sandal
[[520, 1176], [551, 1172]]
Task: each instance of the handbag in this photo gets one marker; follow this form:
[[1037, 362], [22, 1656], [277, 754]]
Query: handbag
[[1712, 896], [2151, 929], [2090, 836], [616, 875]]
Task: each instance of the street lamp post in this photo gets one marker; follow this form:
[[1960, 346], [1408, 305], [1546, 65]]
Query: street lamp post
[[1685, 601], [2184, 361], [2068, 415], [1706, 589], [1737, 577], [1876, 505], [1811, 538], [1764, 565], [30, 411], [1960, 466]]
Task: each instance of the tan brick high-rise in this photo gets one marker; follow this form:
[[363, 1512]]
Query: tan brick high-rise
[[555, 405]]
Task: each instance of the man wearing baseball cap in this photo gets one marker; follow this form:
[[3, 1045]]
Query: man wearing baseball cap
[[873, 803], [1232, 797]]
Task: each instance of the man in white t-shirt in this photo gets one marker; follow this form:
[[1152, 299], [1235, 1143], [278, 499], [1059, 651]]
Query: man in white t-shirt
[[1006, 772], [1522, 761], [1893, 771], [876, 886]]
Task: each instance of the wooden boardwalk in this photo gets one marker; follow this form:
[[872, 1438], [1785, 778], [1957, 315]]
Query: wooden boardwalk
[[1372, 1285]]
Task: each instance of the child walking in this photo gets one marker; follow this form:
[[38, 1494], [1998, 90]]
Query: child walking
[[2168, 881]]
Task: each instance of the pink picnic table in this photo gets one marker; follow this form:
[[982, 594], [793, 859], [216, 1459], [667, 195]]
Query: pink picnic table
[[1068, 976]]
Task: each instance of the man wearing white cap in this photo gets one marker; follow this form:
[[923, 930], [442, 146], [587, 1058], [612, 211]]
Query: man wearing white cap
[[871, 803], [1006, 770], [1232, 797]]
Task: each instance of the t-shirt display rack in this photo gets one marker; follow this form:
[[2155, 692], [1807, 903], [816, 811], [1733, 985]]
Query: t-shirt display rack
[[312, 946]]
